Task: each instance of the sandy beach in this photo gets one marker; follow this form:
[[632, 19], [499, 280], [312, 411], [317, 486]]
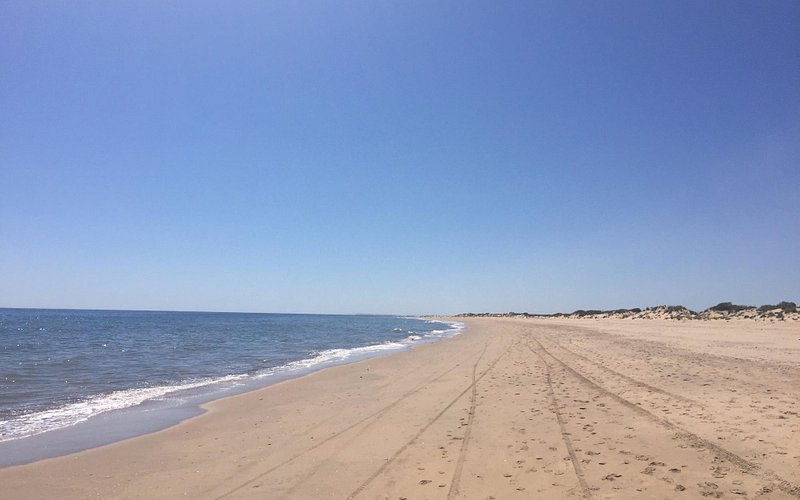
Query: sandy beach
[[512, 408]]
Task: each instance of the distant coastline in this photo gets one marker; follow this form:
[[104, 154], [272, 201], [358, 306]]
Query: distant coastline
[[782, 311]]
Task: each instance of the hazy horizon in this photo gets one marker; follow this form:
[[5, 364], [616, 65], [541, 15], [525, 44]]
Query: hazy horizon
[[450, 313]]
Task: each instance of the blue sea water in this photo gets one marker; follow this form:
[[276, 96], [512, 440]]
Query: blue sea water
[[61, 367]]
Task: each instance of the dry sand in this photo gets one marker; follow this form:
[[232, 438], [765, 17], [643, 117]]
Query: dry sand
[[513, 408]]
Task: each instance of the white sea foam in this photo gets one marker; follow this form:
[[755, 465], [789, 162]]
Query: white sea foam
[[336, 356], [456, 327], [73, 413]]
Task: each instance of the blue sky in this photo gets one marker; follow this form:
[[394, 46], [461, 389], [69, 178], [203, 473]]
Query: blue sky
[[403, 157]]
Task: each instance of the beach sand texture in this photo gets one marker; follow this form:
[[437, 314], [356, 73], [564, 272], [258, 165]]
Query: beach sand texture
[[512, 408]]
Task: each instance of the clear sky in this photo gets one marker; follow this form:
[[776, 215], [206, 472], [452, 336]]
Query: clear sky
[[398, 157]]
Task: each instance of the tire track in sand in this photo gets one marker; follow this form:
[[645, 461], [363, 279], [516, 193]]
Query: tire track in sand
[[319, 464], [630, 380], [576, 465], [453, 491], [687, 436], [376, 414], [416, 436]]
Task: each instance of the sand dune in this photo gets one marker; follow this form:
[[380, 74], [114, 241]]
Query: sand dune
[[513, 408]]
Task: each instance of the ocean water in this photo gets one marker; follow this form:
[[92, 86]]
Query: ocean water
[[59, 368]]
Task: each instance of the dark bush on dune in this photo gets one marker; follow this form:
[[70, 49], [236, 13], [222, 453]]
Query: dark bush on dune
[[728, 307], [677, 309], [590, 312], [595, 312], [785, 306]]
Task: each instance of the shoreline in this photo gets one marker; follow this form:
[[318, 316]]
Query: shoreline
[[174, 407], [511, 408]]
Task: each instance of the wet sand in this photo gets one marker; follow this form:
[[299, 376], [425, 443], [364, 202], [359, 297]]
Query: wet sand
[[513, 408]]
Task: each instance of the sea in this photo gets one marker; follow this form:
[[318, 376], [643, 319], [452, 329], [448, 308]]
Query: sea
[[72, 379]]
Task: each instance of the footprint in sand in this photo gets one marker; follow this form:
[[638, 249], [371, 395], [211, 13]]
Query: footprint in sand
[[708, 489]]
